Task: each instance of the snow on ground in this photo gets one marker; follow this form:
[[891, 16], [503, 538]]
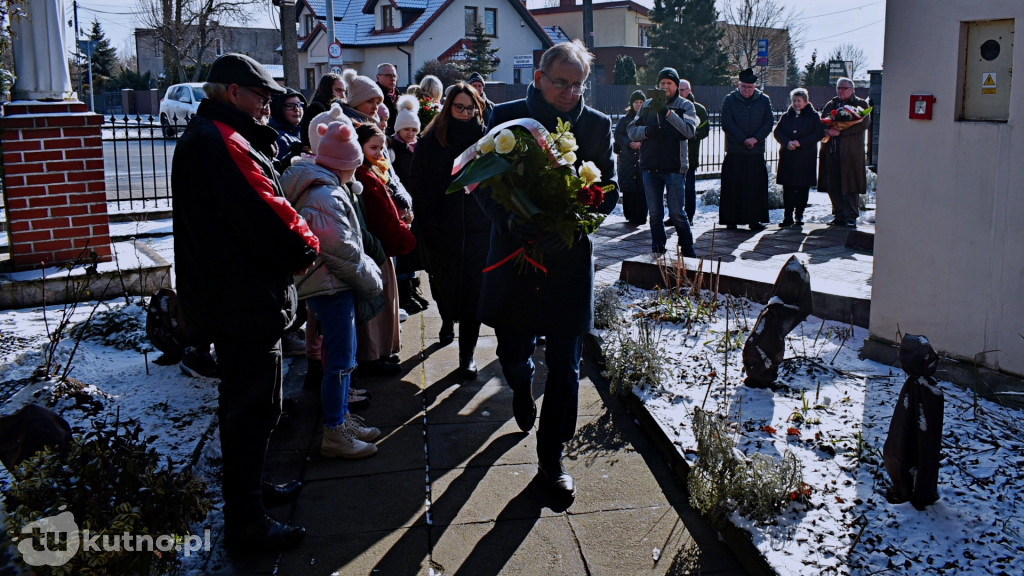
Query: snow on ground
[[840, 407]]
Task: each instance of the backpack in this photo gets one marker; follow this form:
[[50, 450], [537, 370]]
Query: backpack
[[165, 326]]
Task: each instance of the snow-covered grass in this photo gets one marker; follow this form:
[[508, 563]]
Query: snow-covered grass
[[833, 413]]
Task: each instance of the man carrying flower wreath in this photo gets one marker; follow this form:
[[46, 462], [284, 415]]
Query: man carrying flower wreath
[[558, 301], [842, 159]]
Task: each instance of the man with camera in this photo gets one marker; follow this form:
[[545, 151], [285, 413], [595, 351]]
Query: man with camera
[[664, 123]]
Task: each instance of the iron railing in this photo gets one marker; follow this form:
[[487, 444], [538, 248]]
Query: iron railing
[[137, 153]]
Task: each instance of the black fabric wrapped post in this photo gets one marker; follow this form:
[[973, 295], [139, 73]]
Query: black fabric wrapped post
[[911, 451], [790, 305]]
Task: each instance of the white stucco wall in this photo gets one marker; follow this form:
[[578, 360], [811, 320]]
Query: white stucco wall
[[949, 243]]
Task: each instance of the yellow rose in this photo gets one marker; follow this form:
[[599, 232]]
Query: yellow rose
[[567, 143], [590, 172], [569, 157], [487, 145], [505, 141]]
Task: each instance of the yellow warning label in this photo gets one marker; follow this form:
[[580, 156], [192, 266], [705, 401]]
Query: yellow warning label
[[988, 83]]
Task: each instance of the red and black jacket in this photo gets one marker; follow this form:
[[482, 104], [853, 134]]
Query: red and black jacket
[[237, 240]]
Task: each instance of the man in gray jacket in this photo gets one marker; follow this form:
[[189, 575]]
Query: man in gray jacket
[[662, 127]]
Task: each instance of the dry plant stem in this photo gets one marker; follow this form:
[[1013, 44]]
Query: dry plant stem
[[856, 538], [718, 273], [696, 277], [725, 367]]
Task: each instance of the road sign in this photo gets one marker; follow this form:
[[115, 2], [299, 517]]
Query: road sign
[[336, 70], [334, 53], [522, 62], [838, 69], [762, 52]]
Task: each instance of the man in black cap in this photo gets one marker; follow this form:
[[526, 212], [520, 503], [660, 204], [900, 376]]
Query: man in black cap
[[746, 117], [476, 80], [237, 242], [662, 128]]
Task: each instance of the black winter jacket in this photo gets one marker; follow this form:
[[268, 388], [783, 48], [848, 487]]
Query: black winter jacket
[[799, 167], [562, 301], [237, 240], [744, 118]]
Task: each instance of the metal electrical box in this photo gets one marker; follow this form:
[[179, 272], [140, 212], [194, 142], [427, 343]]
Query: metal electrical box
[[987, 70]]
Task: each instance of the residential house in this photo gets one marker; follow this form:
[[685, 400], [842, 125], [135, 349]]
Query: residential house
[[620, 28], [408, 33]]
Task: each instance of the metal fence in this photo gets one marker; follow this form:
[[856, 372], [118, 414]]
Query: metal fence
[[137, 153]]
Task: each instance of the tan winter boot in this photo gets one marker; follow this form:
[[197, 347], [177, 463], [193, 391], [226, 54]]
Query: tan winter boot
[[340, 442], [360, 430]]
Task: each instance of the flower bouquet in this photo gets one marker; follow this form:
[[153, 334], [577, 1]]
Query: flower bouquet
[[428, 109], [845, 116], [531, 173]]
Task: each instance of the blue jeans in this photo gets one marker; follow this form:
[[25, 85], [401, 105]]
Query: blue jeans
[[672, 183], [337, 316], [691, 192], [561, 391]]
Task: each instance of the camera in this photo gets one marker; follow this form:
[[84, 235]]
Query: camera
[[658, 99]]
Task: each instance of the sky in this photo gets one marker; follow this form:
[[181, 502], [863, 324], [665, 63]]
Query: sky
[[826, 24]]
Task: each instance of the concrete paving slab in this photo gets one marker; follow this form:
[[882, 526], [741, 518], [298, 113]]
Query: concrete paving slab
[[532, 547], [345, 506], [399, 449], [480, 494], [399, 552]]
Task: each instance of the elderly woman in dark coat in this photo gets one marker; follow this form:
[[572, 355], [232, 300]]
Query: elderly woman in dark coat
[[454, 229], [627, 165], [798, 131]]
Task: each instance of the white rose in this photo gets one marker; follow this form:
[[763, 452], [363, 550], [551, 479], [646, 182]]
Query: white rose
[[487, 145], [505, 141], [590, 172], [567, 143], [569, 157]]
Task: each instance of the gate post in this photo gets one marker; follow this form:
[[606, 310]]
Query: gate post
[[56, 201]]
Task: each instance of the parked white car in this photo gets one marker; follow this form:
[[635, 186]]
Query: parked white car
[[178, 105]]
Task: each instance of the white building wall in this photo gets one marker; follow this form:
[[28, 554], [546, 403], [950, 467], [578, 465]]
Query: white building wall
[[949, 243]]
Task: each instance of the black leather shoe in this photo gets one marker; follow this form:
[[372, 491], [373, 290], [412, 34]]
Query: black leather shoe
[[447, 334], [378, 367], [524, 408], [467, 368], [756, 226], [264, 534], [557, 480], [730, 226], [278, 494]]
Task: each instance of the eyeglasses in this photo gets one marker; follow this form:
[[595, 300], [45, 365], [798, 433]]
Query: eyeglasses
[[463, 109], [264, 100], [293, 106], [575, 89]]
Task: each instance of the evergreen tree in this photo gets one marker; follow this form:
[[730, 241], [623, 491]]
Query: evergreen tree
[[686, 36], [481, 57], [104, 56], [625, 71], [792, 68], [815, 73]]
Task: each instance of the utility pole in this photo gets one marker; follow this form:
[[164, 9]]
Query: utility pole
[[588, 34], [78, 50], [289, 44]]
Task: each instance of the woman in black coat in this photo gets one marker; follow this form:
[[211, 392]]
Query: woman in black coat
[[798, 131], [454, 229], [330, 88], [631, 184]]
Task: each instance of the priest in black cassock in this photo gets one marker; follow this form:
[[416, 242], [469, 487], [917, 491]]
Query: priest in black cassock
[[747, 120]]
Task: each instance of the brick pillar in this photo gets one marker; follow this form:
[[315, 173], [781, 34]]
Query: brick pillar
[[54, 183]]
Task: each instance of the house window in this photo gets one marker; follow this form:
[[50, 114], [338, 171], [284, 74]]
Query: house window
[[517, 77], [218, 46], [470, 19], [307, 25], [387, 17], [491, 22], [310, 78], [642, 40]]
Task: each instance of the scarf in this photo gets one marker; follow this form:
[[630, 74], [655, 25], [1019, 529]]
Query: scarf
[[546, 114]]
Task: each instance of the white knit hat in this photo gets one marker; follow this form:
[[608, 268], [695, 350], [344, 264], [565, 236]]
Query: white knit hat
[[325, 118], [408, 113], [360, 88]]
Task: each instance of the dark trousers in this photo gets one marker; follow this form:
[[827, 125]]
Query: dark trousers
[[794, 198], [690, 194], [561, 391], [249, 407]]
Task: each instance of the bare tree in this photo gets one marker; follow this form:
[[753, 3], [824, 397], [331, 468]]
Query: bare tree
[[747, 21], [185, 29], [850, 53]]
